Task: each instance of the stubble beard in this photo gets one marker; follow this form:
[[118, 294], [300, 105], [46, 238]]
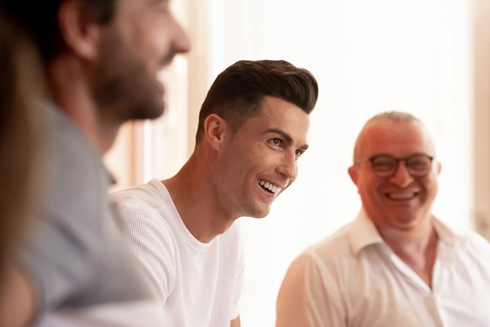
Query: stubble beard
[[122, 87]]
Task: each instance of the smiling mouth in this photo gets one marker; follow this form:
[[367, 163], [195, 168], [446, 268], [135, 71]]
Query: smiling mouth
[[271, 188], [401, 196]]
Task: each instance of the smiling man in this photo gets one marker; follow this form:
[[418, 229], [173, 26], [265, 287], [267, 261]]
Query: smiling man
[[101, 59], [396, 264], [252, 129]]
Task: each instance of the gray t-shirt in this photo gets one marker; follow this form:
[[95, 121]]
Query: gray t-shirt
[[74, 254]]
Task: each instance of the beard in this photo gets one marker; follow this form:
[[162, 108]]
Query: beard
[[123, 88]]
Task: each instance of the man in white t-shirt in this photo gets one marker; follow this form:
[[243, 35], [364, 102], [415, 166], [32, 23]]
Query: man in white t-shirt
[[252, 128], [396, 264]]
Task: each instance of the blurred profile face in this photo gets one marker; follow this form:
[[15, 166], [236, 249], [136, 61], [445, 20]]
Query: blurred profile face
[[142, 39], [401, 201], [258, 162]]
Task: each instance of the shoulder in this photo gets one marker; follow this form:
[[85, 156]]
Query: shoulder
[[462, 238], [75, 179], [69, 151], [333, 247], [474, 243], [142, 215], [330, 262], [145, 209], [146, 196]]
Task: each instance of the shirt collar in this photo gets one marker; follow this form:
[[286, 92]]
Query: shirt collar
[[364, 232], [445, 234]]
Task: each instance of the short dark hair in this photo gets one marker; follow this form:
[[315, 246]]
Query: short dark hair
[[237, 92], [40, 20]]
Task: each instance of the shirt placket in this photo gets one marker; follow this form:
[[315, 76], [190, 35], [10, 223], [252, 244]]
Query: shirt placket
[[430, 295]]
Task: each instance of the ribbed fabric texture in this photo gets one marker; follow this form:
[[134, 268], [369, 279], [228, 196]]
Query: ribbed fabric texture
[[198, 283]]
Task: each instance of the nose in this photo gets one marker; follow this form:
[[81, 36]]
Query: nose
[[181, 42], [402, 176], [288, 167]]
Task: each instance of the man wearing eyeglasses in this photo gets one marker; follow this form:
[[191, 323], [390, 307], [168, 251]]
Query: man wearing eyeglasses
[[396, 264]]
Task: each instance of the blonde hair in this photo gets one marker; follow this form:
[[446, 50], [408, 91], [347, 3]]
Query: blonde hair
[[20, 86]]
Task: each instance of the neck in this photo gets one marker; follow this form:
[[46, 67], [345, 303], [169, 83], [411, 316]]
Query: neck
[[192, 191], [70, 89], [415, 247]]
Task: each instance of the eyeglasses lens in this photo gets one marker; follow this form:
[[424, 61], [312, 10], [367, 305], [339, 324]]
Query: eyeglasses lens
[[385, 166]]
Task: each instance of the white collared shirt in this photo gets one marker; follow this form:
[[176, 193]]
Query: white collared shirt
[[352, 278]]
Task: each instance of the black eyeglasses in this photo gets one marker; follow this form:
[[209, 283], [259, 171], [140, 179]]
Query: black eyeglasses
[[385, 165]]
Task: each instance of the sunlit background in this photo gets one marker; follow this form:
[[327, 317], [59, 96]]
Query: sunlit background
[[418, 56]]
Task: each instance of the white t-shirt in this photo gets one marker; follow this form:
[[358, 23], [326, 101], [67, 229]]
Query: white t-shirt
[[199, 283], [353, 278]]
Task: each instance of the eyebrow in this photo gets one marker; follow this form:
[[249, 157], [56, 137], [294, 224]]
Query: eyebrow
[[287, 137], [157, 2]]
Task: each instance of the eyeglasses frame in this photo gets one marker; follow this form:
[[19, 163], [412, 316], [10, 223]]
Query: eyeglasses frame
[[397, 163]]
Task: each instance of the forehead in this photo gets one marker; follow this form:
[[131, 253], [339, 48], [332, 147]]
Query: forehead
[[129, 8], [399, 139], [280, 114]]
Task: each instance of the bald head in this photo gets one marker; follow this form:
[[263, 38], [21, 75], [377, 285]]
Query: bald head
[[396, 117]]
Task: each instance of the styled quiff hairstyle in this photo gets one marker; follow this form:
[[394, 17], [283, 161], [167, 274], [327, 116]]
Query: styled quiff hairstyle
[[39, 19], [237, 93]]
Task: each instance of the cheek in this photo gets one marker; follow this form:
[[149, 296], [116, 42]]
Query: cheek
[[431, 187], [429, 183], [157, 37], [372, 190], [145, 41]]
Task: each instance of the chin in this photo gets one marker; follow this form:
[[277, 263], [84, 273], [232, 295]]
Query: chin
[[149, 110], [259, 214]]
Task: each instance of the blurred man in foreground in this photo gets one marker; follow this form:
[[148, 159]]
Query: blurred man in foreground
[[101, 60]]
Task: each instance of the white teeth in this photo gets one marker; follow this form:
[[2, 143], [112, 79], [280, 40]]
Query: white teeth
[[274, 189], [401, 196]]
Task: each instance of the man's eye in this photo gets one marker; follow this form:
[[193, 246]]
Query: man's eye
[[299, 153], [276, 141], [419, 164], [383, 165]]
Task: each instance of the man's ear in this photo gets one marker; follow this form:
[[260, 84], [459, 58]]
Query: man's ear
[[438, 168], [80, 33], [214, 130], [353, 173]]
